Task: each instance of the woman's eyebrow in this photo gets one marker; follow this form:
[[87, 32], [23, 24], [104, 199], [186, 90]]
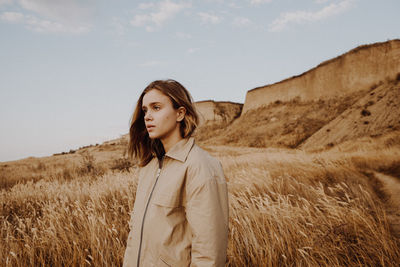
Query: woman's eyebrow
[[154, 103], [151, 104]]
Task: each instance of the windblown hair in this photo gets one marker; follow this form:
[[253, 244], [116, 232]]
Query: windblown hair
[[141, 146]]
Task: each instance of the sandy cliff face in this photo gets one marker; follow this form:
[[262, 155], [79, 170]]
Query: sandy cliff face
[[375, 114], [353, 71], [217, 112]]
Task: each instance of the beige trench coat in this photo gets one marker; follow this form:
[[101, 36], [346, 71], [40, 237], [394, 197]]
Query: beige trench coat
[[180, 216]]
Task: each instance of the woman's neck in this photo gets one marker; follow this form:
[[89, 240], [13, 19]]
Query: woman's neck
[[169, 142]]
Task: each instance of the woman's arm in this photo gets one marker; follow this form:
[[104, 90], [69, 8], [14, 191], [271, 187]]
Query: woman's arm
[[207, 214]]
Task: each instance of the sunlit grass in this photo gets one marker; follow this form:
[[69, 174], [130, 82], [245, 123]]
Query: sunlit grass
[[287, 208]]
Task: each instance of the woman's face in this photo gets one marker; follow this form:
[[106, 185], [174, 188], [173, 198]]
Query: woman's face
[[161, 119]]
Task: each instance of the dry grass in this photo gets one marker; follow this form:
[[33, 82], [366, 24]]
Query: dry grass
[[308, 210], [70, 223], [280, 124], [287, 208], [93, 161]]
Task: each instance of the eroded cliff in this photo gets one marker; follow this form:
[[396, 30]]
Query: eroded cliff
[[218, 112], [356, 70]]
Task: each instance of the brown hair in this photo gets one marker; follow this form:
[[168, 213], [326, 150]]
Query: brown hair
[[141, 145]]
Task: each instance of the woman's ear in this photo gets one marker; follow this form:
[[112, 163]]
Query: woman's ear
[[181, 112]]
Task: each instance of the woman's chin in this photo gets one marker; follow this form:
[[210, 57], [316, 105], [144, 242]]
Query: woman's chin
[[152, 136]]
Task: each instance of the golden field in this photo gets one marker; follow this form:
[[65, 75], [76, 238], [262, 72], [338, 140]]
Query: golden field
[[311, 183], [288, 207]]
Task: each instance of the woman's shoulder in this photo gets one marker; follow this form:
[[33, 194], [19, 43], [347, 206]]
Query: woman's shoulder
[[200, 156], [199, 161]]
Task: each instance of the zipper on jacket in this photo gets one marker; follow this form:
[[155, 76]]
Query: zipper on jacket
[[160, 162]]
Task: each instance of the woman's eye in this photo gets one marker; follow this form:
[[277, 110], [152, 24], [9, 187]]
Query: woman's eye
[[157, 107]]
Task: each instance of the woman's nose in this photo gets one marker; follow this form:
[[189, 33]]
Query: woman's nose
[[147, 116]]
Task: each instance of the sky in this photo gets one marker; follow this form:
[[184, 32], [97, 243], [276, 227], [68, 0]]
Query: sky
[[71, 71]]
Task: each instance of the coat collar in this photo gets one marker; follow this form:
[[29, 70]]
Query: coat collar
[[181, 149]]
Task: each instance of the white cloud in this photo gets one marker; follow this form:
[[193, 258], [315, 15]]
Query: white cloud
[[214, 1], [118, 26], [125, 42], [51, 16], [47, 26], [183, 36], [306, 16], [193, 50], [321, 1], [12, 17], [73, 11], [146, 5], [162, 12], [5, 2], [41, 25], [258, 2], [209, 18], [241, 22], [234, 5], [140, 20]]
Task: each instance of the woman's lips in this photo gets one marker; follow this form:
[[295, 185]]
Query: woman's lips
[[150, 127]]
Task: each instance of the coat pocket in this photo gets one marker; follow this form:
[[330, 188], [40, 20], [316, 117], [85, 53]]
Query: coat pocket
[[162, 263], [164, 200]]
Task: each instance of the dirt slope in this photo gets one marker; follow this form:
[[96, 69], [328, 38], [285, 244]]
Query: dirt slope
[[217, 111], [279, 124], [355, 70], [374, 114], [392, 187]]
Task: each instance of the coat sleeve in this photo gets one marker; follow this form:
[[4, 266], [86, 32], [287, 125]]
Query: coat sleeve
[[207, 214]]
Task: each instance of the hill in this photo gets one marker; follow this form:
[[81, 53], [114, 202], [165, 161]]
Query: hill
[[303, 120], [374, 114], [356, 70], [313, 181], [217, 112], [352, 96], [313, 124]]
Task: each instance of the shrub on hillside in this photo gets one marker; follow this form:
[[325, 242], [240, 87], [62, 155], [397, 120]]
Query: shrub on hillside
[[89, 166], [122, 164], [365, 112], [279, 124]]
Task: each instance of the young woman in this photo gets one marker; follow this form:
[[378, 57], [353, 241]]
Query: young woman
[[180, 215]]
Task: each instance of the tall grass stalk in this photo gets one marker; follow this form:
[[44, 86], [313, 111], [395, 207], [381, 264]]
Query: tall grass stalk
[[287, 208]]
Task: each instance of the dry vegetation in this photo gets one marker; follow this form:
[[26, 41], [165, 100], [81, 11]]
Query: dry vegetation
[[69, 223], [333, 206], [374, 114], [314, 124], [279, 124], [287, 208], [86, 161]]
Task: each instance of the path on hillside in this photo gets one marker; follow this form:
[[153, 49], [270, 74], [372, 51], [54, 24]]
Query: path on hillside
[[392, 186]]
